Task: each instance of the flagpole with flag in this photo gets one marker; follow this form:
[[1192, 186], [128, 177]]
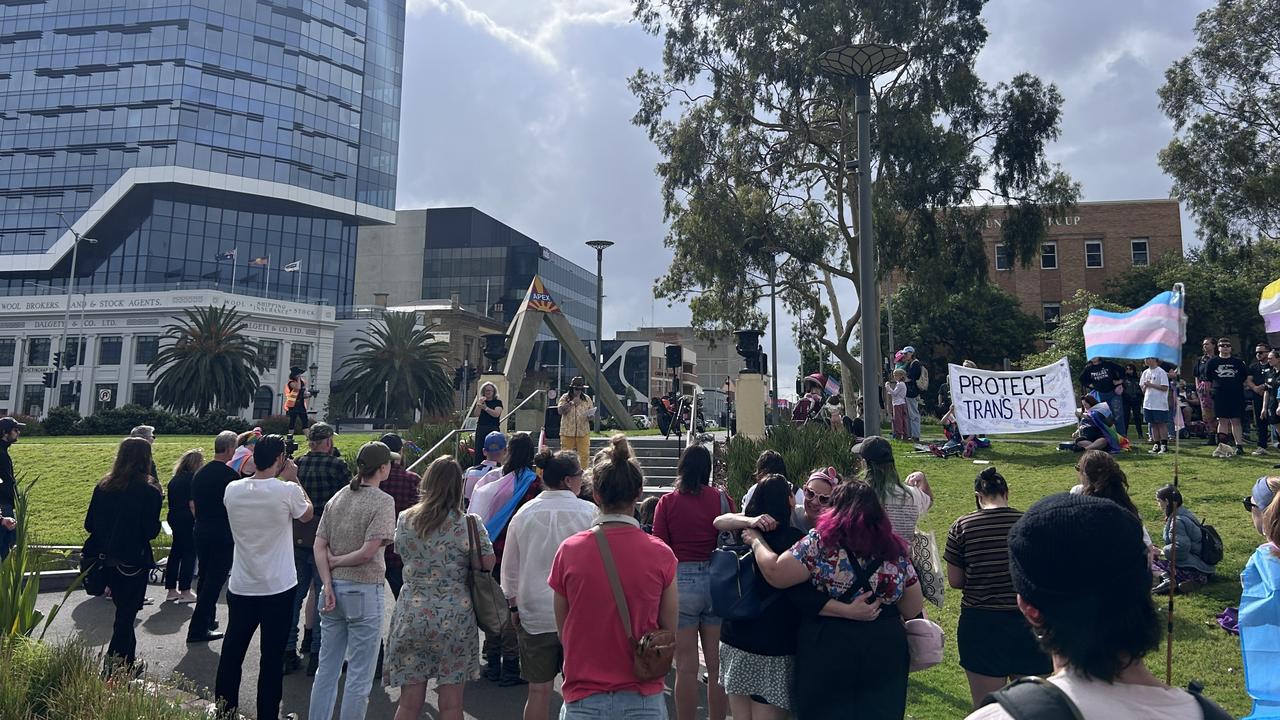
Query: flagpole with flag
[[229, 255], [1269, 307], [267, 292], [295, 267]]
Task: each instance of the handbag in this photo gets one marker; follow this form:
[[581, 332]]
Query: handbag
[[924, 556], [924, 643], [652, 653], [93, 565], [487, 599], [738, 591]]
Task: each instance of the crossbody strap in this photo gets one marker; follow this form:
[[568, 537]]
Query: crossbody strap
[[1033, 698], [473, 543], [861, 577], [610, 569]]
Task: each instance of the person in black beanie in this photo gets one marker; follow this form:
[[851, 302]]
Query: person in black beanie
[[1080, 568]]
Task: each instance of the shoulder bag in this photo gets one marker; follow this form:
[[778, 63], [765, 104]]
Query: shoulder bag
[[652, 653], [487, 599], [738, 590]]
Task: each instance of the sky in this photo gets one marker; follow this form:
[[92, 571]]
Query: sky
[[520, 108]]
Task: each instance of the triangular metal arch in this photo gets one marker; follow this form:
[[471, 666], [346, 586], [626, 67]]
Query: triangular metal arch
[[539, 307]]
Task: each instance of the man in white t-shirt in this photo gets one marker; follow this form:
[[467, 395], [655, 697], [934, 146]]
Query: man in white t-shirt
[[1155, 404], [1091, 608], [261, 510]]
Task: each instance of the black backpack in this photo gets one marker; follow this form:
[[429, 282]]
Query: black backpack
[[1033, 698], [1210, 544]]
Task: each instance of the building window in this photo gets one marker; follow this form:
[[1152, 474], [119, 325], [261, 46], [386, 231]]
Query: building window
[[269, 353], [299, 355], [67, 395], [1049, 256], [104, 397], [38, 352], [4, 392], [143, 394], [1052, 313], [145, 349], [33, 400], [1002, 257], [109, 350], [1093, 253], [1139, 251], [8, 347], [74, 352], [264, 401]]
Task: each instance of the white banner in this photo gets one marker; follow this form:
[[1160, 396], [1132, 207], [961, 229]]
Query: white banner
[[989, 402]]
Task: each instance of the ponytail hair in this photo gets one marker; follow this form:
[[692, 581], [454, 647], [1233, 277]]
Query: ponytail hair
[[617, 477], [557, 466], [990, 483]]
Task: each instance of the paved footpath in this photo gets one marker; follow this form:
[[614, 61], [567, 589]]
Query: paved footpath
[[162, 633]]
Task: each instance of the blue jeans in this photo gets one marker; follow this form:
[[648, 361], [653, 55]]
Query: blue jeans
[[305, 562], [693, 581], [616, 706], [913, 417], [354, 631]]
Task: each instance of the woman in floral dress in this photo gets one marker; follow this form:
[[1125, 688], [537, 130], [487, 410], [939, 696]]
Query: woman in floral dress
[[433, 629], [854, 556]]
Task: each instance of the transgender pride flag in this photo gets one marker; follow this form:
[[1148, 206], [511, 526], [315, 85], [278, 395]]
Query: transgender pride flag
[[1269, 307], [1153, 330]]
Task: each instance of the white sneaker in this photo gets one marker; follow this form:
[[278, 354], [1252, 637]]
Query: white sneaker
[[1155, 450], [1260, 452]]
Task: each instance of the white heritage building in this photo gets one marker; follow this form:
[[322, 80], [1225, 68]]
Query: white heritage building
[[118, 334]]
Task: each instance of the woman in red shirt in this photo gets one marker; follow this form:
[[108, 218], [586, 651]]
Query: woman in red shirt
[[685, 521], [599, 675]]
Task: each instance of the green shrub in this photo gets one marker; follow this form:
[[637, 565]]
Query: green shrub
[[803, 449], [61, 421], [274, 425], [119, 421], [425, 435]]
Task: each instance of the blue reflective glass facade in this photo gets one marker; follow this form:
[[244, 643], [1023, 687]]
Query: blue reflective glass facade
[[287, 94]]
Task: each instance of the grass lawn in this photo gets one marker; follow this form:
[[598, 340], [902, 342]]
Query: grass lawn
[[68, 468], [1212, 489]]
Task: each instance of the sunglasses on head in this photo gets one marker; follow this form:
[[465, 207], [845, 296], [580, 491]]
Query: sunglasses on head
[[809, 494]]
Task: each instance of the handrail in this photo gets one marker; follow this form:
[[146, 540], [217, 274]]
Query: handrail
[[434, 448], [532, 395], [692, 430]]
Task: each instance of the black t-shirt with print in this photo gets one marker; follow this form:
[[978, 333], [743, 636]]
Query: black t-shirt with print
[[1101, 377], [1227, 376], [1258, 373]]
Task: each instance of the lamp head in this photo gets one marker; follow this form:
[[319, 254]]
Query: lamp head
[[865, 60], [599, 245]]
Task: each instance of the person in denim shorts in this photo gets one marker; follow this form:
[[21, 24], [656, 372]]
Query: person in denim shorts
[[685, 522]]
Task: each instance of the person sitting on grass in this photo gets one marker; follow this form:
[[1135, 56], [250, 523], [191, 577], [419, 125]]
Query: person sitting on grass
[[1096, 430], [1186, 546]]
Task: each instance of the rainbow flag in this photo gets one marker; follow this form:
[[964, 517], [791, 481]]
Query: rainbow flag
[[1153, 330], [1269, 307]]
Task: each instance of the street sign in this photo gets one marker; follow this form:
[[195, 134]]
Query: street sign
[[104, 395]]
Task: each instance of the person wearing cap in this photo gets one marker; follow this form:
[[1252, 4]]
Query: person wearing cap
[[575, 419], [488, 413], [10, 429], [321, 473], [915, 369], [904, 502], [1091, 610], [1259, 599], [263, 583], [495, 445], [359, 524], [402, 486]]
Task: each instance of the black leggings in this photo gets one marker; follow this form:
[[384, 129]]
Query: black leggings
[[182, 559], [298, 413], [833, 683], [269, 616], [127, 592]]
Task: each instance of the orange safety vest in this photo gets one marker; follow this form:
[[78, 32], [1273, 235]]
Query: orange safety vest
[[291, 396]]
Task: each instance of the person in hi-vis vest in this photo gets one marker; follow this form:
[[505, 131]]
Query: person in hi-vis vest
[[295, 399]]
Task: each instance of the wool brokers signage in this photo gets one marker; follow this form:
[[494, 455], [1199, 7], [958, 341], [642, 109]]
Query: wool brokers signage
[[989, 402]]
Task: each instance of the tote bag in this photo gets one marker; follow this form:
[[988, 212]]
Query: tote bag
[[924, 556]]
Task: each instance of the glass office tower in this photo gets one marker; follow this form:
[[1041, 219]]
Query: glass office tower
[[177, 132]]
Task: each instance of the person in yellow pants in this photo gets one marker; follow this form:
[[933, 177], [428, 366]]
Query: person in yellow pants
[[575, 420]]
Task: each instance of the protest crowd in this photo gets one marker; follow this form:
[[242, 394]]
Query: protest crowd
[[805, 598]]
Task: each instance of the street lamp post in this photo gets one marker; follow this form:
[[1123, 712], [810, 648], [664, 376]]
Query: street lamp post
[[599, 246], [860, 63], [66, 316]]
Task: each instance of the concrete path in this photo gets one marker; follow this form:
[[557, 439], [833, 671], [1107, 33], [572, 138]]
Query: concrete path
[[162, 632]]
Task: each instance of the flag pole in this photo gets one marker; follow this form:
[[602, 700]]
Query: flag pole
[[1178, 289], [297, 283], [235, 259], [267, 292]]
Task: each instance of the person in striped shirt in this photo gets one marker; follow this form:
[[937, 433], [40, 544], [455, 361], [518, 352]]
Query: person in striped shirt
[[994, 639]]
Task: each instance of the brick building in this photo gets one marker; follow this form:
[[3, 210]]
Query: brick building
[[1093, 244]]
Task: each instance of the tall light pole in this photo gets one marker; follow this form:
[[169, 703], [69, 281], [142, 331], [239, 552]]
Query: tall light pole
[[66, 316], [599, 246], [860, 63]]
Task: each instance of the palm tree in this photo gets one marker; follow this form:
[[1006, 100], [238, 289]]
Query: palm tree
[[399, 366], [209, 364]]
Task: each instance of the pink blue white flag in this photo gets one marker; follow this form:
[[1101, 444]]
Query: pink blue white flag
[[1153, 330], [832, 387], [1269, 307]]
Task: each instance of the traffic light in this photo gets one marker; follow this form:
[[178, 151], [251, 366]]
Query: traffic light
[[457, 377], [51, 379], [57, 361]]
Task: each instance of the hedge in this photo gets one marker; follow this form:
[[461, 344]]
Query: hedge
[[119, 421]]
